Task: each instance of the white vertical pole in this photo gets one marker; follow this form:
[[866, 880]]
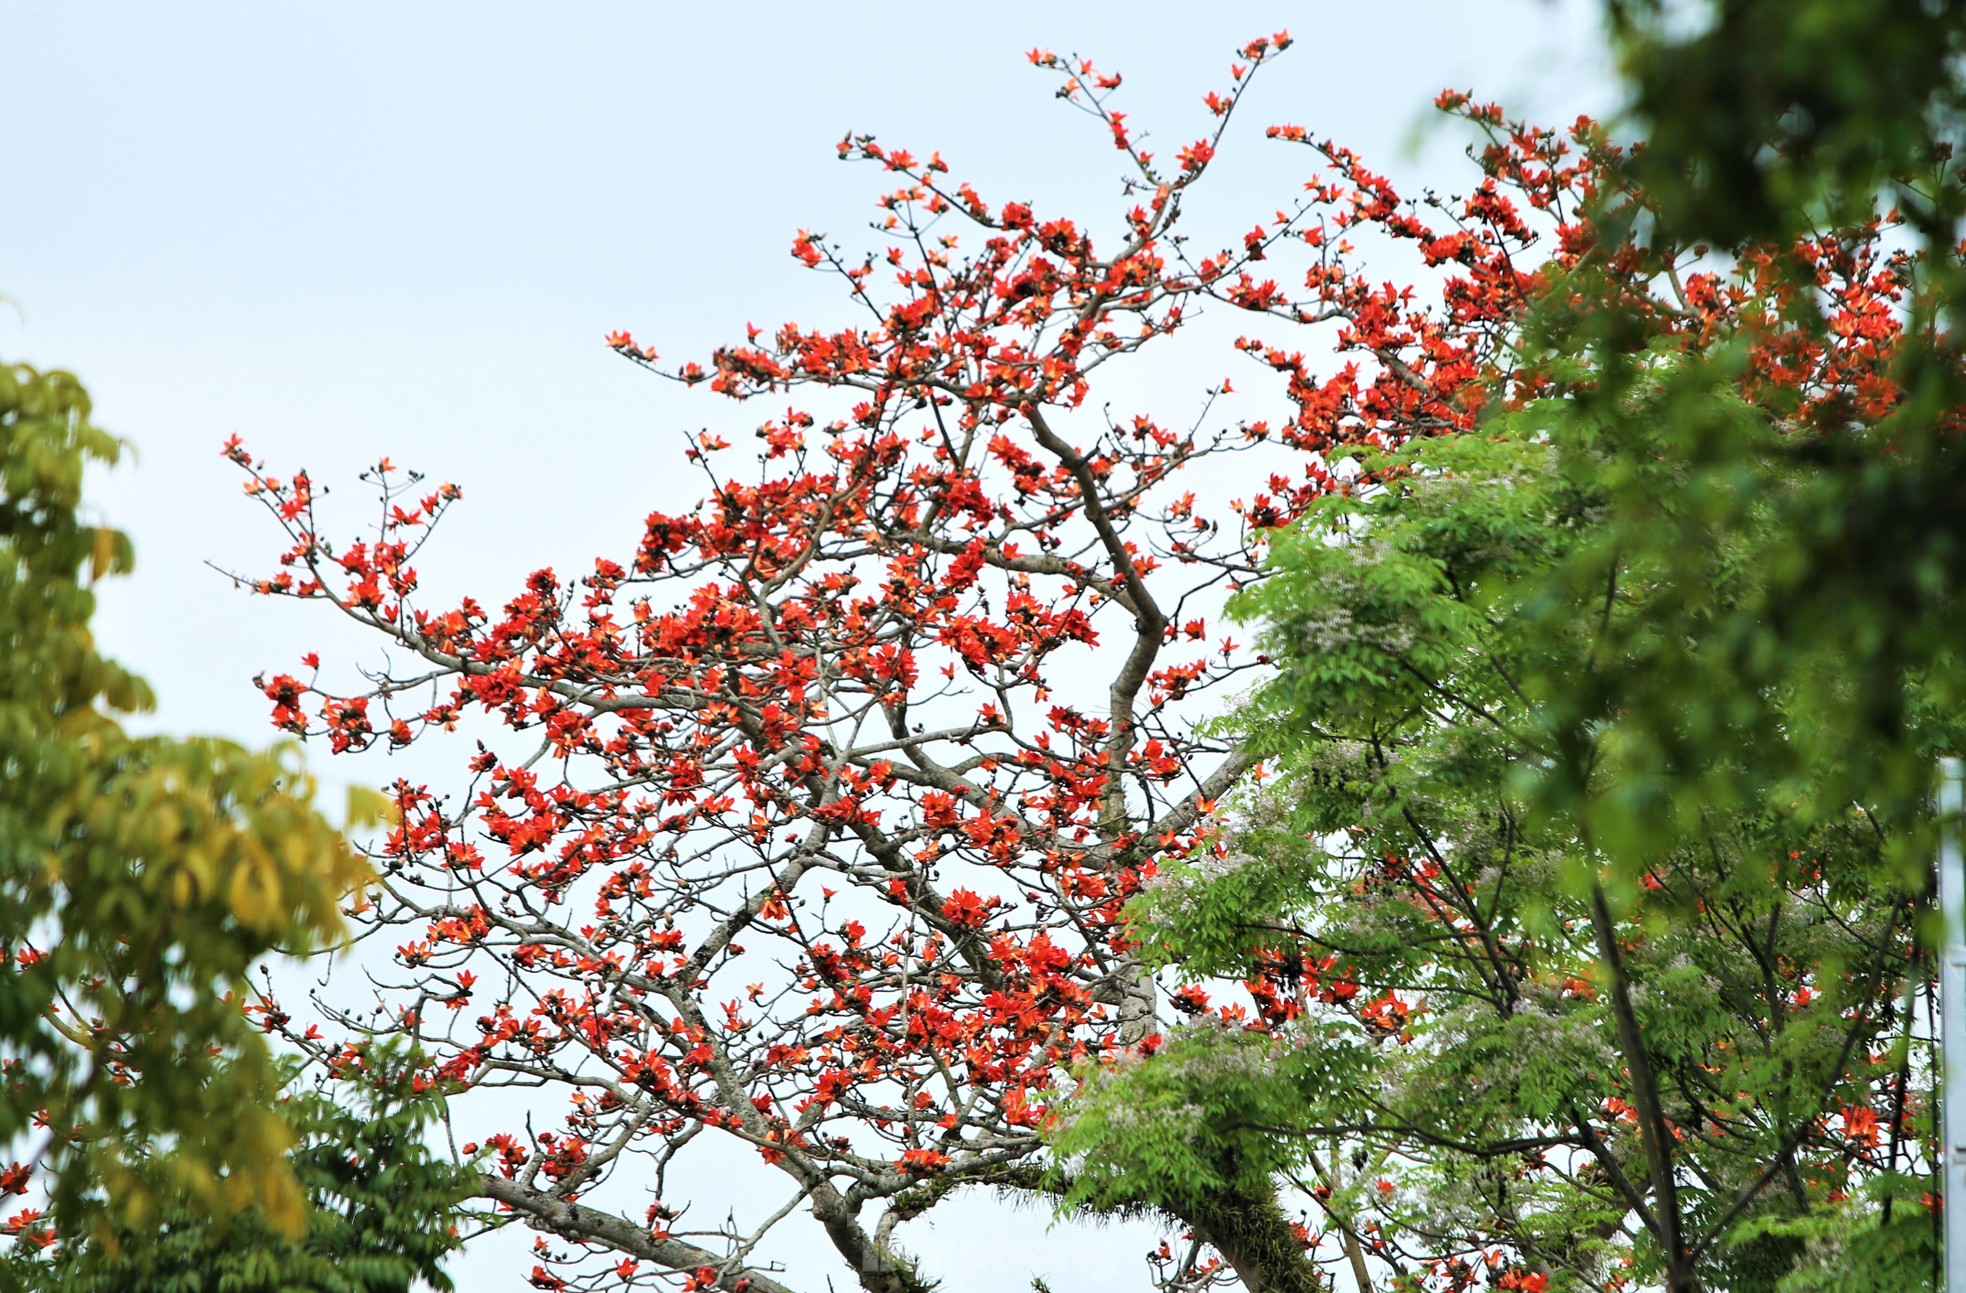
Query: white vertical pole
[[1952, 1014]]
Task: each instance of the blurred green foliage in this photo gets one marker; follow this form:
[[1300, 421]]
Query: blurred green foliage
[[1770, 122], [1764, 118], [381, 1210], [140, 879]]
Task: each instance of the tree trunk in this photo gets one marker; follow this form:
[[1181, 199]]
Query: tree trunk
[[1251, 1233]]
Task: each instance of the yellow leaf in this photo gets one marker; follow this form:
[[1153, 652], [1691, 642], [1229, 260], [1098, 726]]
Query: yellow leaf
[[367, 807], [283, 1204], [102, 553], [253, 892]]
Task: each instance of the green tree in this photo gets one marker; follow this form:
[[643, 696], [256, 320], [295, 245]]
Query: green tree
[[140, 879], [1764, 118], [1525, 1037], [1770, 123], [1580, 921], [380, 1206]]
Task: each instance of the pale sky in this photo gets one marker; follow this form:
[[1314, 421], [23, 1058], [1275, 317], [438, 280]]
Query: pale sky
[[358, 229]]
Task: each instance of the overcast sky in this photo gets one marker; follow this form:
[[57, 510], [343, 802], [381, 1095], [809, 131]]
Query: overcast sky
[[350, 230]]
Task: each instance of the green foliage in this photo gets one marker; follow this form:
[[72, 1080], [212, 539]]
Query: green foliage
[[1795, 642], [1604, 736], [1861, 1246], [1196, 1119], [140, 877], [1764, 116], [1453, 836], [380, 1210], [1775, 120]]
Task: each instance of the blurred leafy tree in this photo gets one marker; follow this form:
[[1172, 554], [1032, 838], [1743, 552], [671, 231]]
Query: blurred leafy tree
[[1772, 123], [377, 1202], [140, 879], [1764, 118]]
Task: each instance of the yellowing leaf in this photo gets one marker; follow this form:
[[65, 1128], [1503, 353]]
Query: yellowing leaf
[[102, 552], [253, 892], [368, 807]]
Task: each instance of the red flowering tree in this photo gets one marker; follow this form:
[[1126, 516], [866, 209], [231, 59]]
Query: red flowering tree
[[806, 827]]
